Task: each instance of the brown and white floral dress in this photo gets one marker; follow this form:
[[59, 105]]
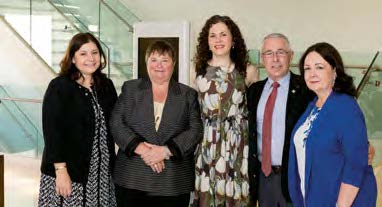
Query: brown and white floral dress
[[222, 157]]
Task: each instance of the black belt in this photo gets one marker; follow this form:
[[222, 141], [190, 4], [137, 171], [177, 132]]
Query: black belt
[[276, 169]]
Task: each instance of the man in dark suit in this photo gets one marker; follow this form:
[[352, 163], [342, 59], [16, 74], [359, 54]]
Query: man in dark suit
[[270, 188]]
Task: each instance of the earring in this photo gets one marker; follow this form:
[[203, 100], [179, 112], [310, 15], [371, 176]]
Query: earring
[[334, 80]]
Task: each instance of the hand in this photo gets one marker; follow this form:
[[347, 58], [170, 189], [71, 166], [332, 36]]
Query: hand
[[155, 154], [63, 183], [142, 148], [371, 154], [158, 167]]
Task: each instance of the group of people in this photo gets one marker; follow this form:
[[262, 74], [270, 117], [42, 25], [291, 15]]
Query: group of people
[[234, 141]]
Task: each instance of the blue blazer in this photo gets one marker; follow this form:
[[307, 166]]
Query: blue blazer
[[336, 152]]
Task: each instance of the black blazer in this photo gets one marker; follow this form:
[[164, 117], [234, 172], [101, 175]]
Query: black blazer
[[180, 129], [68, 121], [298, 98]]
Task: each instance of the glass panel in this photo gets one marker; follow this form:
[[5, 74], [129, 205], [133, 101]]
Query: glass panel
[[40, 25], [115, 33], [119, 39], [83, 17], [370, 100], [81, 13], [122, 11], [51, 32], [254, 57], [22, 142], [356, 64], [20, 131]]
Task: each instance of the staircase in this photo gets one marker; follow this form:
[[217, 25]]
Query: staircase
[[113, 27], [43, 29]]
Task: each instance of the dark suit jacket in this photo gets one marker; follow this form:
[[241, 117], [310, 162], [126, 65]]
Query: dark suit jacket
[[68, 122], [298, 98], [180, 129]]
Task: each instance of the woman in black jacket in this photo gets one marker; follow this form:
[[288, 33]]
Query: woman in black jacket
[[79, 151]]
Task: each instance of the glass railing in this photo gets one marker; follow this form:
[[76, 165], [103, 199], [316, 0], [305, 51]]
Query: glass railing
[[112, 23], [19, 133], [71, 14], [48, 26], [370, 100], [122, 12], [47, 30], [119, 37], [42, 26]]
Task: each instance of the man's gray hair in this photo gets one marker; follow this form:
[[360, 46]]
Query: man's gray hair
[[278, 35]]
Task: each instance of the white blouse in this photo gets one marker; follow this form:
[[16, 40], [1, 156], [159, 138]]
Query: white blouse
[[158, 110], [299, 139]]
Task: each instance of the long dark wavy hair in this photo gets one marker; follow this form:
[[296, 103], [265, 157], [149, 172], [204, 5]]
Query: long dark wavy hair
[[238, 53], [67, 66], [343, 82]]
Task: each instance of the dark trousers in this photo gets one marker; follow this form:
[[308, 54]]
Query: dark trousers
[[136, 198], [270, 192]]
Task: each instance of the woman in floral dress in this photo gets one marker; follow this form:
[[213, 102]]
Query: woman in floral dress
[[223, 72]]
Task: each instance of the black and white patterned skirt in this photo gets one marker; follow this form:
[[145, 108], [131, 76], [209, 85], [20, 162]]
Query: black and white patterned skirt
[[99, 188]]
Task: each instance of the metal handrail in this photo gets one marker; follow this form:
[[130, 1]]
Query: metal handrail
[[366, 77], [78, 29], [21, 125], [71, 13], [14, 100], [21, 100], [64, 16]]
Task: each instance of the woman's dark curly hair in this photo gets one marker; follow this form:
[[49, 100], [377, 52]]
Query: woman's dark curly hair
[[238, 53], [67, 66], [343, 82]]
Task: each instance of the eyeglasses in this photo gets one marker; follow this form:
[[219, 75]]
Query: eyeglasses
[[279, 53]]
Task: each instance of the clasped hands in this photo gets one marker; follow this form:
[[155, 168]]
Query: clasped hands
[[152, 155]]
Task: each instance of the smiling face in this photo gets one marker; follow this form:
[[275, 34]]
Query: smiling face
[[276, 57], [319, 75], [87, 59], [160, 67], [220, 39]]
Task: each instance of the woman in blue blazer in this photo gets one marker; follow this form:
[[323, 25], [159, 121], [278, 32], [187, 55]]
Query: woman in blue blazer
[[328, 154]]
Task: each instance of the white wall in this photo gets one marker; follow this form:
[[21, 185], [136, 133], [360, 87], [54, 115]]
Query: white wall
[[350, 25]]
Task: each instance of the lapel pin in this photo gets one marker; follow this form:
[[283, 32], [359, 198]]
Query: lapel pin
[[293, 91]]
